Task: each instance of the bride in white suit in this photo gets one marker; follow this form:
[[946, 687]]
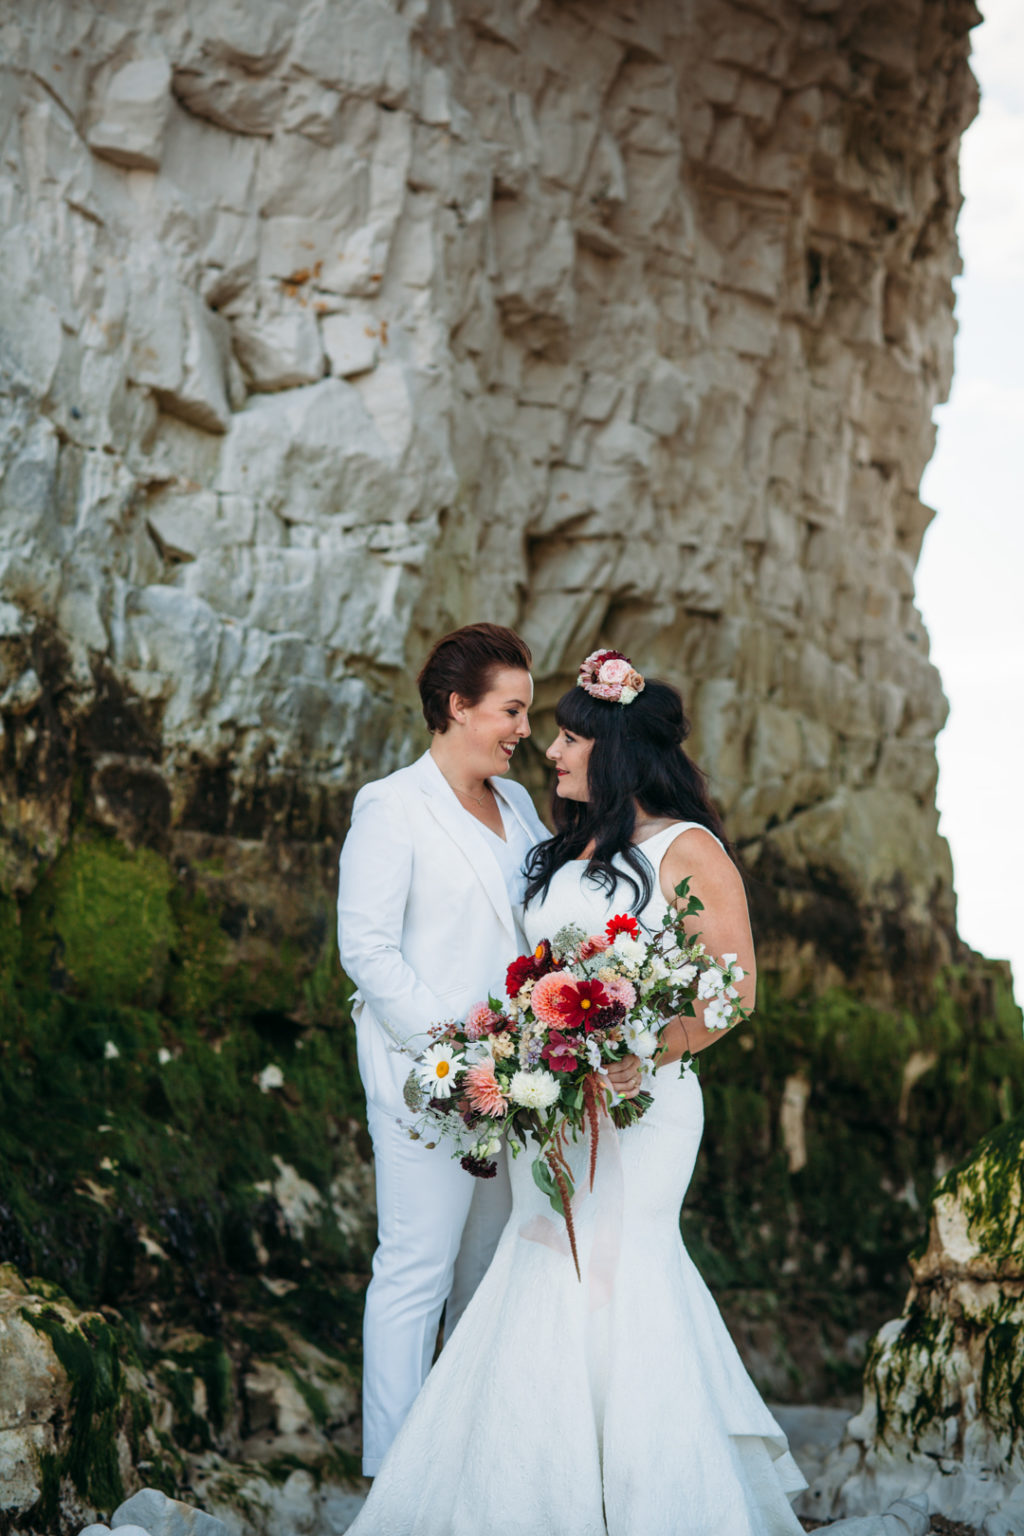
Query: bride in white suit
[[430, 883]]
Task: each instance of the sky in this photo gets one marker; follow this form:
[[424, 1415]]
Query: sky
[[970, 580]]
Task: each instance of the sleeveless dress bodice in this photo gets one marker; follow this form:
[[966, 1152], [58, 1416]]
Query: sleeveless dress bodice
[[611, 1405], [572, 897]]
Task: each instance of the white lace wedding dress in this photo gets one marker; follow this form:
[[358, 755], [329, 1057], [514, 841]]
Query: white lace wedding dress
[[613, 1407]]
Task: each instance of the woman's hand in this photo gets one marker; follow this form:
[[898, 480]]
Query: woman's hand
[[625, 1077]]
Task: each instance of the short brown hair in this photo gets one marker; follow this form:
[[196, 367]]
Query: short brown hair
[[464, 662]]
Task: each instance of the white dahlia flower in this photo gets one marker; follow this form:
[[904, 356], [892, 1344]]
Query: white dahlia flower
[[632, 951], [534, 1090]]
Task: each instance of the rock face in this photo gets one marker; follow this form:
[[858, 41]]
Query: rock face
[[325, 328], [943, 1410]]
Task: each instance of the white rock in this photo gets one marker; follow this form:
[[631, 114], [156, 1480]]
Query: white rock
[[21, 1454], [667, 399], [133, 117], [95, 1530], [299, 1202], [352, 343], [369, 54], [179, 345], [279, 351], [905, 1517], [163, 1517], [1008, 1519]]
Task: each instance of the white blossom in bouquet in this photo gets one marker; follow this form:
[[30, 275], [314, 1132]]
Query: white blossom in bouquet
[[711, 983], [657, 969], [644, 1043], [568, 940], [534, 1090], [437, 1069], [629, 951], [717, 1014]]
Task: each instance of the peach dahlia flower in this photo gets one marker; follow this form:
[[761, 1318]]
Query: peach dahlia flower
[[546, 992], [483, 1092]]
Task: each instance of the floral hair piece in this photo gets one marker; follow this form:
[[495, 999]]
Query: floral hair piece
[[610, 675]]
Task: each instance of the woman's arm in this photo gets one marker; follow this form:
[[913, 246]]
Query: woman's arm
[[724, 928], [373, 886]]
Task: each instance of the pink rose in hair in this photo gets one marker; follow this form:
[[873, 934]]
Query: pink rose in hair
[[614, 671]]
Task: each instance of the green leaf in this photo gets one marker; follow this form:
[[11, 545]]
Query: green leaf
[[494, 1005], [545, 1182]]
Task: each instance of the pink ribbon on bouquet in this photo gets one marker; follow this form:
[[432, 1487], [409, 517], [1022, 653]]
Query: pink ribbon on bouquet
[[606, 1243]]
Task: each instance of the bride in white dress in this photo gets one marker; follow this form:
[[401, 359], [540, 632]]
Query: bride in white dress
[[614, 1405]]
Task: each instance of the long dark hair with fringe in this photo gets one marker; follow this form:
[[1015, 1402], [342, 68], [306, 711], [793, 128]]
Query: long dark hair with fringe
[[637, 759]]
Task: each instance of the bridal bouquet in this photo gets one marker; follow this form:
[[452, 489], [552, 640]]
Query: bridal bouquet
[[536, 1067]]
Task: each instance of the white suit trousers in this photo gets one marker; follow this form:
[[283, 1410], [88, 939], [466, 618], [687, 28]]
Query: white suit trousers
[[437, 1229]]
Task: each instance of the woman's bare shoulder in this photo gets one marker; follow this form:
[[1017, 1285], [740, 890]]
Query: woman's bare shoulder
[[697, 853]]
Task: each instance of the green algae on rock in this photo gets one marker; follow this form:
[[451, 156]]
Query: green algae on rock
[[82, 1419], [943, 1408]]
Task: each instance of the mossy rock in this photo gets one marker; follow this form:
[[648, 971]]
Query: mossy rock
[[947, 1377], [100, 925], [977, 1222], [97, 1411]]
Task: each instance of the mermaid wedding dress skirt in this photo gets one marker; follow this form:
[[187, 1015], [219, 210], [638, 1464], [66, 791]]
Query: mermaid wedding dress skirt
[[612, 1405]]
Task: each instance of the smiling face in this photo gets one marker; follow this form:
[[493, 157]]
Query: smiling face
[[489, 731], [571, 754]]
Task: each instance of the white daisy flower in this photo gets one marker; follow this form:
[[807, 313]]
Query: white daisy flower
[[437, 1070], [534, 1090]]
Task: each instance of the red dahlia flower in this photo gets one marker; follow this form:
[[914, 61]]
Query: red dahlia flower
[[528, 968], [580, 1002], [622, 924], [560, 1053]]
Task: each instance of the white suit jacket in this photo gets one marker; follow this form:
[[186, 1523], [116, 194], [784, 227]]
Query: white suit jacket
[[425, 926]]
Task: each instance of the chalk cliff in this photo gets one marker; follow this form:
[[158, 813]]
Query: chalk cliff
[[329, 326]]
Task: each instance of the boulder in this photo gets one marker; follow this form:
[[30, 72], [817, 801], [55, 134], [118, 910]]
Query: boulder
[[942, 1390], [154, 1513]]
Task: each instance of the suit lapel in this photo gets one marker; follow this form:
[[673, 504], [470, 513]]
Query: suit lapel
[[463, 830]]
